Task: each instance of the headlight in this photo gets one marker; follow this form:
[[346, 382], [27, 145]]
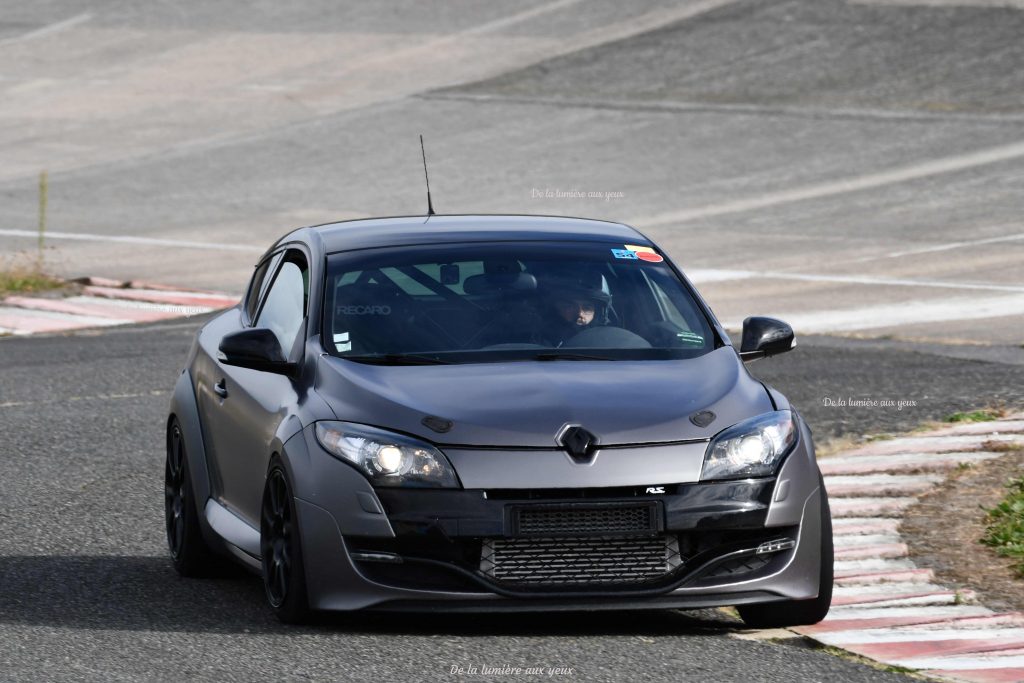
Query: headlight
[[752, 448], [388, 459]]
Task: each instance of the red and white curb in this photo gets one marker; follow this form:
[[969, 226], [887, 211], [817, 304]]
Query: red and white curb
[[886, 608], [103, 303]]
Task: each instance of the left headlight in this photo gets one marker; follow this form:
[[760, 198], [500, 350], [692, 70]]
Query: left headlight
[[752, 448], [386, 458]]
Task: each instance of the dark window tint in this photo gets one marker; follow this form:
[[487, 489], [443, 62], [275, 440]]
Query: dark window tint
[[490, 302], [284, 308]]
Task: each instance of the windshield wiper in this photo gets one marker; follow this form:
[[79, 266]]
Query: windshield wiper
[[398, 359], [562, 355]]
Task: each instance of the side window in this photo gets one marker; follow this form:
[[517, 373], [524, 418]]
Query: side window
[[258, 284], [285, 303]]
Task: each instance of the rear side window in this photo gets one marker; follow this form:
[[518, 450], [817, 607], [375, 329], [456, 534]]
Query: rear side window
[[285, 305]]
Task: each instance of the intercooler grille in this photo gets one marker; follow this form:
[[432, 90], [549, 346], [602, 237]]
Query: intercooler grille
[[583, 520], [579, 561]]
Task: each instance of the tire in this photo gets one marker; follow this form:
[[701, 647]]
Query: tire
[[284, 574], [189, 552], [800, 612]]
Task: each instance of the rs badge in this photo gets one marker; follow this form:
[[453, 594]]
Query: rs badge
[[655, 489]]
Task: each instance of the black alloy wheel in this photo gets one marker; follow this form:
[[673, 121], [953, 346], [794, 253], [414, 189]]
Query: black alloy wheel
[[174, 492]]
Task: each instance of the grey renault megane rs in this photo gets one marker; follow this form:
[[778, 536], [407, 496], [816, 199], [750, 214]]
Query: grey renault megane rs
[[487, 413]]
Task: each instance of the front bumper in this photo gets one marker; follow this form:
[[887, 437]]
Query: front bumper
[[435, 556]]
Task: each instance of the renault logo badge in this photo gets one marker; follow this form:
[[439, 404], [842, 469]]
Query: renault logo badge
[[580, 444]]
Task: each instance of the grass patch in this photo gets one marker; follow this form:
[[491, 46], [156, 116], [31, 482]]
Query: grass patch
[[879, 437], [1005, 530], [18, 278], [1001, 446], [827, 447], [985, 415]]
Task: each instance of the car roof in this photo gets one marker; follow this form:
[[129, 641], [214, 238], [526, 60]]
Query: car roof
[[410, 230]]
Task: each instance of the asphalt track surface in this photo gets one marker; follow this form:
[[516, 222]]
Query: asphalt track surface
[[89, 593], [839, 164]]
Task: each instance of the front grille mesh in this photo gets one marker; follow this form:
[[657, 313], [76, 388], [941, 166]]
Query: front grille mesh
[[604, 520], [579, 561]]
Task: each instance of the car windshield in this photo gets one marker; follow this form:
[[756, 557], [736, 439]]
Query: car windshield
[[505, 301]]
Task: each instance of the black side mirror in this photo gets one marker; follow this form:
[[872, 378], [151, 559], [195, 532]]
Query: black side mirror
[[763, 337], [255, 348]]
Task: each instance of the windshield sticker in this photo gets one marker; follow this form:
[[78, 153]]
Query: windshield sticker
[[633, 252], [342, 342], [364, 310], [690, 338], [649, 256], [645, 253]]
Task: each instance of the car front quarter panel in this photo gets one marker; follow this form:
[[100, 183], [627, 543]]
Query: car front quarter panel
[[797, 480], [185, 409], [338, 488]]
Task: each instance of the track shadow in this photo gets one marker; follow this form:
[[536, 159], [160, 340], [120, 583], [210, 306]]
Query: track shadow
[[145, 593]]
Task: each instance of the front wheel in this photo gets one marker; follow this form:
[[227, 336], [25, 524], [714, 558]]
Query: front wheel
[[284, 576], [800, 612]]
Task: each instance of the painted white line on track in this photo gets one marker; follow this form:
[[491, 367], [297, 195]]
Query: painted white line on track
[[95, 397], [697, 107], [137, 305], [914, 633], [951, 612], [441, 42], [882, 481], [505, 22], [831, 188], [876, 526], [132, 239], [50, 29], [932, 444], [701, 276], [961, 663], [999, 4], [23, 320], [901, 314], [859, 521], [866, 539], [948, 246], [873, 564]]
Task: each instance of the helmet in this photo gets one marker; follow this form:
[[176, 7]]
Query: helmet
[[580, 287]]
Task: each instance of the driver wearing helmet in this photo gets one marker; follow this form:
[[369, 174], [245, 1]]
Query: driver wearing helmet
[[573, 308]]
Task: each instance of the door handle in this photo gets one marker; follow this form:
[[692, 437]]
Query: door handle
[[221, 389]]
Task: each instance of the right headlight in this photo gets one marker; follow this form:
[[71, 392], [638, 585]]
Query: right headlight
[[386, 458], [752, 448]]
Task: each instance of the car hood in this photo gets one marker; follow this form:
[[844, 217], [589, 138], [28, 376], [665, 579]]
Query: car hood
[[526, 404]]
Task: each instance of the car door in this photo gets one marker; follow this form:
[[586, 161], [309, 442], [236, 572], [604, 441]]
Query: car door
[[252, 403]]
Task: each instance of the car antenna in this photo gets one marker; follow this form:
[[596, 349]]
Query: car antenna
[[430, 204]]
